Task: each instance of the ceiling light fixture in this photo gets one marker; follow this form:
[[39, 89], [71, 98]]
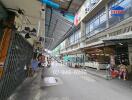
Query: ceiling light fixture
[[120, 43]]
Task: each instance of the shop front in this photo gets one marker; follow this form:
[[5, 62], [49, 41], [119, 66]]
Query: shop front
[[123, 50], [122, 54], [114, 54], [74, 60], [98, 57]]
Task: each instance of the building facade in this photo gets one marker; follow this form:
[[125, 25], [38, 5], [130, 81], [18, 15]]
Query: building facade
[[101, 38]]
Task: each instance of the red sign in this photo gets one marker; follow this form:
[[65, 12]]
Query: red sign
[[76, 20], [118, 12]]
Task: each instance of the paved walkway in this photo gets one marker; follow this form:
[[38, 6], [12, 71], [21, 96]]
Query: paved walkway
[[103, 74], [99, 73], [64, 83]]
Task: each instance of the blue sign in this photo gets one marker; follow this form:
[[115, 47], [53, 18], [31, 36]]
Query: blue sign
[[117, 11]]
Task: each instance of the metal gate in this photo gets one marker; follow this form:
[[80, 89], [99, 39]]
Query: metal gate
[[19, 54]]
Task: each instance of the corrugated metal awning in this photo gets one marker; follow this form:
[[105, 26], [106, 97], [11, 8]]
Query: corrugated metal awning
[[56, 27]]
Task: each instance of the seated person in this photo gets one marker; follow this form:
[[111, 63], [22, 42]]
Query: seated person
[[122, 71], [112, 71]]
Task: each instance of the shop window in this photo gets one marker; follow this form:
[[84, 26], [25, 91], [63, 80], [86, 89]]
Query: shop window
[[77, 36], [87, 28], [102, 15], [103, 18], [96, 22], [91, 26], [113, 20], [101, 27], [71, 39]]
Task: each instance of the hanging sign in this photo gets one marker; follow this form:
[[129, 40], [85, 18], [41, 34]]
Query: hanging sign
[[76, 20], [117, 11]]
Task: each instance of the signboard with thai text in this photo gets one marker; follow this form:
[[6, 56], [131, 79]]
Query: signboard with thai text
[[117, 11]]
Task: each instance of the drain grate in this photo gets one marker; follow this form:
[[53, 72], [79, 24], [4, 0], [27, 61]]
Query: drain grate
[[50, 81]]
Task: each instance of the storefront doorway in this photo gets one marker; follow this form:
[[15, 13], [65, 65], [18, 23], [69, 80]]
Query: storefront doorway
[[121, 54]]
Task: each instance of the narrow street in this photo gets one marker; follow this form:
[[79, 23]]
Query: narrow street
[[64, 83]]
